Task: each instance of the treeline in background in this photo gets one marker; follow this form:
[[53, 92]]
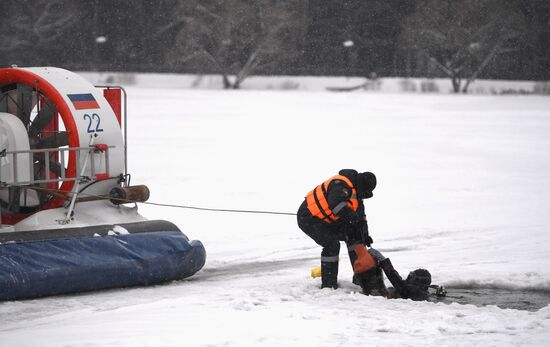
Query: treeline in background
[[459, 39]]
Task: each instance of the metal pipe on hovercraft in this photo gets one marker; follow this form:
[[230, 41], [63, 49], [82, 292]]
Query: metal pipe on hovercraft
[[124, 120], [69, 217], [117, 195], [124, 195]]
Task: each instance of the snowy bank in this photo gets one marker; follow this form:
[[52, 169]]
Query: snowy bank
[[316, 83]]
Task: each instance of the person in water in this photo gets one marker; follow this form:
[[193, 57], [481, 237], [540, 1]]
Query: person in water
[[414, 287]]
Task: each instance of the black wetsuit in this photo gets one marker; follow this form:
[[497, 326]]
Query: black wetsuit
[[374, 284]]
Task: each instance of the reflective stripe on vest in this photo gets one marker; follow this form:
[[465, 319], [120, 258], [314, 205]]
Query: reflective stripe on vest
[[317, 202]]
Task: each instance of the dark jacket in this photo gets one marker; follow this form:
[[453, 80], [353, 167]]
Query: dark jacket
[[338, 192]]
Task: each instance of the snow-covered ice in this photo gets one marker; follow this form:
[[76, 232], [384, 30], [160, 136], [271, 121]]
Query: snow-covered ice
[[119, 230], [464, 190]]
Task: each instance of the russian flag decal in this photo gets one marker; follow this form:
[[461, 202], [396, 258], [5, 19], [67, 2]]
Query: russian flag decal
[[83, 101]]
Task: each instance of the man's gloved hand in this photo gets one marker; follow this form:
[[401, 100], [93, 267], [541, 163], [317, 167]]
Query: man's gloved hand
[[367, 240], [376, 254]]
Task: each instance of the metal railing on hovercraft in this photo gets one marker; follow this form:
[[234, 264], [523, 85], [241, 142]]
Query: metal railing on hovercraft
[[46, 160]]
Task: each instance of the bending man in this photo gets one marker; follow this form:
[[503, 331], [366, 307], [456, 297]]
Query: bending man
[[334, 212]]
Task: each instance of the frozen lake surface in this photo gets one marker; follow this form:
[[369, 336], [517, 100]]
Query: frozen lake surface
[[464, 191]]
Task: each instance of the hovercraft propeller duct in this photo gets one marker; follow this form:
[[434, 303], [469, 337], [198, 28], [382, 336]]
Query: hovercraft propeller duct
[[36, 112]]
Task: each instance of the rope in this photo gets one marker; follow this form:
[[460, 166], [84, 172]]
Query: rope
[[106, 197], [219, 209]]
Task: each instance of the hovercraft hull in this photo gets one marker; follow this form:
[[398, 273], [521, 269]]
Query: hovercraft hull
[[52, 262]]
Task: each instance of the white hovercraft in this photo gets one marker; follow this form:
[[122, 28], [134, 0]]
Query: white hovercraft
[[63, 185]]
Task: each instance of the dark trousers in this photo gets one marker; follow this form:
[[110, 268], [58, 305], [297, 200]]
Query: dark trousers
[[329, 236]]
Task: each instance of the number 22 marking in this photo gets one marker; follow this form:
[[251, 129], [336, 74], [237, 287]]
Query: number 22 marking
[[91, 119]]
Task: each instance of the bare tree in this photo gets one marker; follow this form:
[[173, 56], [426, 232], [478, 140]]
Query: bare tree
[[34, 25], [461, 38], [234, 37]]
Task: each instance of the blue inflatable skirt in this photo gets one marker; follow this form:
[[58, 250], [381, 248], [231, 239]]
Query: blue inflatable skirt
[[61, 263]]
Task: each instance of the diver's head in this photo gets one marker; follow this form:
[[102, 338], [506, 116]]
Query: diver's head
[[420, 278], [418, 282]]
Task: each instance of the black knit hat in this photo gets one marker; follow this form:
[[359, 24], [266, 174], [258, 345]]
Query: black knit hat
[[366, 182]]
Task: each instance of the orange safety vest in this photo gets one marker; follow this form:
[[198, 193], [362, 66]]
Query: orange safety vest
[[317, 202]]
